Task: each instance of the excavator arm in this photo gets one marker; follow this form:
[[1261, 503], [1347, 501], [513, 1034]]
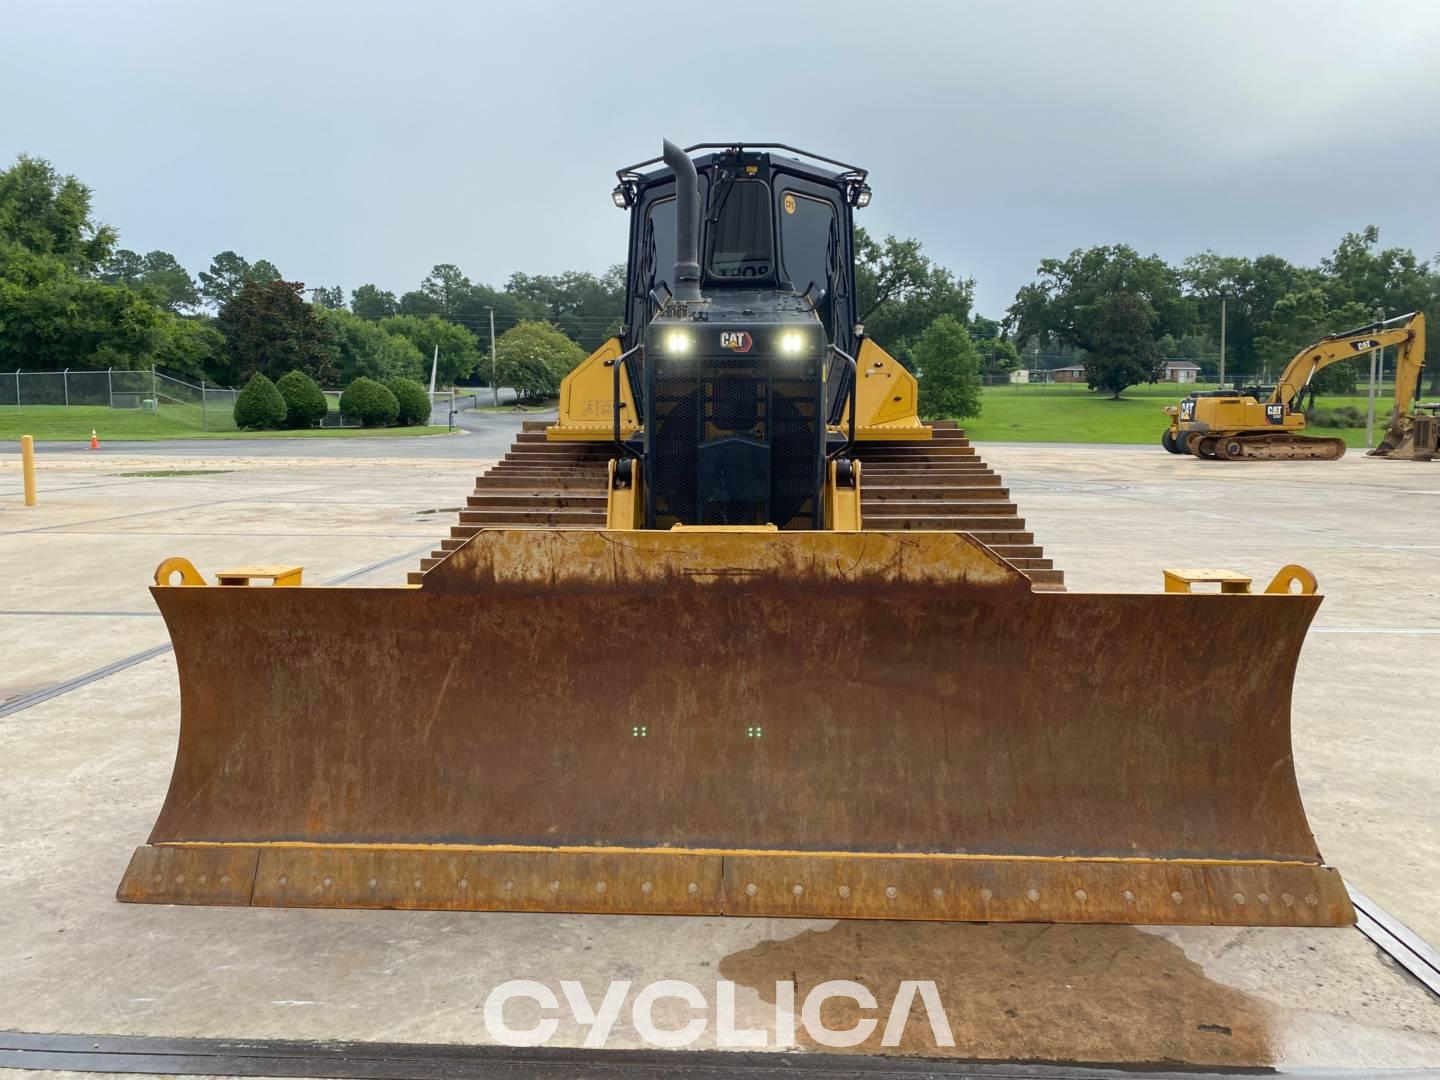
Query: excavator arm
[[1406, 331], [1400, 439]]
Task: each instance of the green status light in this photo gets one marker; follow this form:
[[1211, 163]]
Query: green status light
[[639, 731]]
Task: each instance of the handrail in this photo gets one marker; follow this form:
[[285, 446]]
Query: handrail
[[615, 402], [854, 393]]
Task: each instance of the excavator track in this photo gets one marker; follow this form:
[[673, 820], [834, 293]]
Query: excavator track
[[940, 484], [1266, 447]]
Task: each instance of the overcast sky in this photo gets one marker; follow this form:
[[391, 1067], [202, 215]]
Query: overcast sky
[[364, 142]]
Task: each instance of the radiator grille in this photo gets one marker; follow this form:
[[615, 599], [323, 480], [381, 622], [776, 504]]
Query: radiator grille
[[734, 439]]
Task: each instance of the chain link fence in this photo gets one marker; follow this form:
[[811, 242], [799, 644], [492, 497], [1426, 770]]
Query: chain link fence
[[1050, 381], [199, 406], [195, 405]]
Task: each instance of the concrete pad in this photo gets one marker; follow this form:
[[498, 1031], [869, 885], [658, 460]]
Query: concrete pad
[[78, 566], [86, 773], [1365, 739]]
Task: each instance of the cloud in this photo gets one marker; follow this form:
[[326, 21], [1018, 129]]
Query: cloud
[[354, 142]]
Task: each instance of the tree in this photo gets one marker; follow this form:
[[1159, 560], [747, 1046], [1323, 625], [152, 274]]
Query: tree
[[1069, 300], [1250, 288], [259, 406], [458, 347], [190, 346], [270, 328], [305, 402], [996, 353], [53, 318], [413, 400], [1122, 350], [1391, 280], [370, 402], [364, 348], [229, 273], [158, 276], [585, 308], [949, 370], [533, 357], [899, 292], [445, 287], [1432, 306], [370, 302], [417, 302], [46, 213], [331, 297]]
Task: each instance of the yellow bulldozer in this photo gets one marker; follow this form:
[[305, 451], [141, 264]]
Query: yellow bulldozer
[[740, 634], [1268, 422]]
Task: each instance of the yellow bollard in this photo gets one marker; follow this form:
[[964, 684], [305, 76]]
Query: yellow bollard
[[27, 458]]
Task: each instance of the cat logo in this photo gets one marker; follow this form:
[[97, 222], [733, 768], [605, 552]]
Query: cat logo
[[736, 340], [1275, 412], [1187, 410], [1363, 344]]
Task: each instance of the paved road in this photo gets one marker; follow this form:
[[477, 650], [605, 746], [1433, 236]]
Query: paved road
[[480, 435]]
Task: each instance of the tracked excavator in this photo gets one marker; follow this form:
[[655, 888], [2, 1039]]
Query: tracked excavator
[[740, 634], [1269, 422]]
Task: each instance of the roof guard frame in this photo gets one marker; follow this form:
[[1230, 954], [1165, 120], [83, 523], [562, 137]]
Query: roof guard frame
[[852, 171]]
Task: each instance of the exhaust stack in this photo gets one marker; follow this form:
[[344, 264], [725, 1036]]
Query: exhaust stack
[[686, 285]]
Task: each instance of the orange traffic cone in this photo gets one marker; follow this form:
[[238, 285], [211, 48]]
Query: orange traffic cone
[[94, 440]]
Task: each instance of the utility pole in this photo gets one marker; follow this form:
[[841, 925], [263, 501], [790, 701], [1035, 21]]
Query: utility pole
[[434, 363], [1222, 343], [1376, 356], [494, 389]]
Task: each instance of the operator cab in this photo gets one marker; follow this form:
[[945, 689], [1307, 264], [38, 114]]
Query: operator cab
[[773, 220], [740, 297]]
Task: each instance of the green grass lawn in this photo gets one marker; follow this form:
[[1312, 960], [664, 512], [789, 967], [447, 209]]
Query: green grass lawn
[[56, 423], [1071, 413], [515, 407]]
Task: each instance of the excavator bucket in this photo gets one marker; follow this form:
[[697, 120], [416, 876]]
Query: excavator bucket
[[740, 722]]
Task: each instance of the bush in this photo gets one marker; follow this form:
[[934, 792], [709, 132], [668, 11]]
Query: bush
[[259, 405], [304, 401], [414, 401], [370, 402], [1342, 417]]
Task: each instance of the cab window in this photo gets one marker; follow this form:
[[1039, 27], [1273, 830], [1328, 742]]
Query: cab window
[[662, 237], [741, 241], [806, 231]]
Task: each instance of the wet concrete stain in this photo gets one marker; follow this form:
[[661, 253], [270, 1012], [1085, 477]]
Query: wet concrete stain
[[1055, 993]]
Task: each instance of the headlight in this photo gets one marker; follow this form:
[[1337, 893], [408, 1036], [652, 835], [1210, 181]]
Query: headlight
[[792, 342], [677, 341]]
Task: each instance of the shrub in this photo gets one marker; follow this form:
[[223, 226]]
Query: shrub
[[259, 405], [304, 401], [1341, 417], [370, 402], [414, 401]]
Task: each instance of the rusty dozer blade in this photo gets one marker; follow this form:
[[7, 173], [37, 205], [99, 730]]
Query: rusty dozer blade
[[872, 725]]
